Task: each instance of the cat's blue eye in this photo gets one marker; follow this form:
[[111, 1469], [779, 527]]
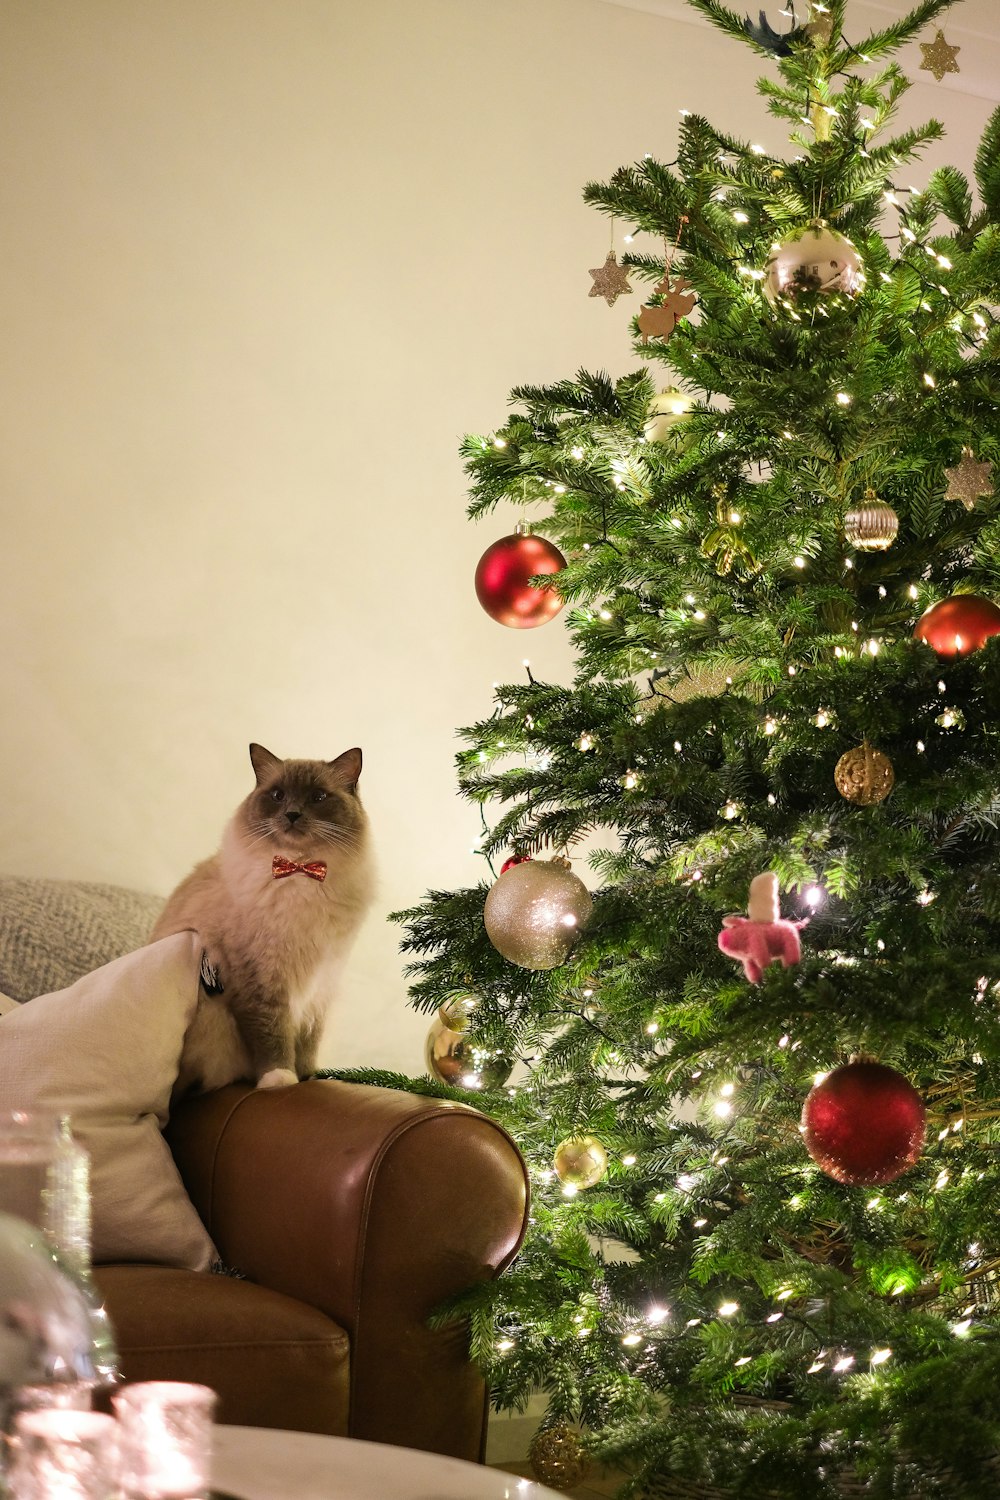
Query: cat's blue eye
[[277, 793], [319, 796]]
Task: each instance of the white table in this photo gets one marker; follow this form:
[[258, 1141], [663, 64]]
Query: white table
[[263, 1463]]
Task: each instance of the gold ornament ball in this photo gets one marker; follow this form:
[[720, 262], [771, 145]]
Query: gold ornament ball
[[864, 776], [665, 411], [456, 1013], [534, 911], [452, 1058], [813, 264], [557, 1458], [580, 1161], [871, 527]]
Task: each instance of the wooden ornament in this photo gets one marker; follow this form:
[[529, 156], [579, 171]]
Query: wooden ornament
[[864, 776], [676, 302]]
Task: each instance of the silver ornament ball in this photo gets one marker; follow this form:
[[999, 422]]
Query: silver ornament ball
[[812, 264]]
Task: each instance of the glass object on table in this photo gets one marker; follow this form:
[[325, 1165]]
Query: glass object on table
[[61, 1454], [46, 1323], [45, 1180], [165, 1439]]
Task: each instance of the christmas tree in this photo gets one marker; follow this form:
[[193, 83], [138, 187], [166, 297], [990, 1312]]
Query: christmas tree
[[764, 1242]]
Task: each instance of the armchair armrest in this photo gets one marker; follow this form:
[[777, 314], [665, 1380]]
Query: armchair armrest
[[372, 1205]]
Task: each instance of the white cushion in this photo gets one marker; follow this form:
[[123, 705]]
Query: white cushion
[[106, 1053]]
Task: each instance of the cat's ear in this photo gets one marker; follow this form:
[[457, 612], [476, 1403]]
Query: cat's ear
[[263, 762], [347, 767]]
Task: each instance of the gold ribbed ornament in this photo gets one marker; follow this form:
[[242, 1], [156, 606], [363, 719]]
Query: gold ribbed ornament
[[557, 1457], [534, 911], [871, 526], [580, 1161], [864, 775]]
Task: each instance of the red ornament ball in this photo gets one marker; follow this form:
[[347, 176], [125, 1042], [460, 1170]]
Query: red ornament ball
[[864, 1124], [502, 585], [959, 625], [515, 859]]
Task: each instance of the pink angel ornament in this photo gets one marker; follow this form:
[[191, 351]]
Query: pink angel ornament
[[762, 937]]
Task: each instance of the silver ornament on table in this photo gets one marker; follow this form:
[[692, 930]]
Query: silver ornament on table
[[534, 912], [969, 479], [872, 526], [453, 1058], [812, 264]]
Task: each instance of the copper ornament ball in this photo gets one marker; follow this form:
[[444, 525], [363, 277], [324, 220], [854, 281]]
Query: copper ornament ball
[[503, 584], [864, 1124], [813, 264], [580, 1161], [452, 1058], [864, 776], [959, 625], [534, 911]]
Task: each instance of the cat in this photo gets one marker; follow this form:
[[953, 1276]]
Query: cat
[[277, 909]]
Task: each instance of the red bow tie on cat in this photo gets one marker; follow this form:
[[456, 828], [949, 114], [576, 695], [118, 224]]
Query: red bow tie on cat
[[280, 867]]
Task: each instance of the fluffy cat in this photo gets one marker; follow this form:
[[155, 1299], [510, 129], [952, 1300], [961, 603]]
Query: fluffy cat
[[275, 937]]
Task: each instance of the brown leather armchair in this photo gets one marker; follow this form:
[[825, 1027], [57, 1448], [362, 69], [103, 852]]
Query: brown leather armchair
[[348, 1213]]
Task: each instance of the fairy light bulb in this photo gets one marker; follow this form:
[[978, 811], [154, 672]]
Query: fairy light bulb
[[879, 1356], [728, 1309]]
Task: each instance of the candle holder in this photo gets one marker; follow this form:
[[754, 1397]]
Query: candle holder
[[58, 1453], [165, 1440]]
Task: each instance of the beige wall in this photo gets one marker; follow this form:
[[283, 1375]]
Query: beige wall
[[262, 262]]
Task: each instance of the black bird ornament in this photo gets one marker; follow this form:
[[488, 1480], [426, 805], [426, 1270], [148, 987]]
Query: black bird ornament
[[779, 44]]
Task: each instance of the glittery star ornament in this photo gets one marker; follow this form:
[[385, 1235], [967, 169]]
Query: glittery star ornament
[[610, 280], [969, 479], [939, 57]]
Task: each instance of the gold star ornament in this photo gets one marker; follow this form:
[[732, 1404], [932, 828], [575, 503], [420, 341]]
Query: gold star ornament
[[610, 280], [969, 479], [939, 57]]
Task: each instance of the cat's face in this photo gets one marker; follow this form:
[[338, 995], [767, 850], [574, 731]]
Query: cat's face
[[309, 808]]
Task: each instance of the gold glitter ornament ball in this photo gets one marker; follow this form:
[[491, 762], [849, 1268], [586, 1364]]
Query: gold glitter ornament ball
[[557, 1458], [452, 1058], [872, 526], [864, 776], [812, 264], [534, 911], [580, 1161]]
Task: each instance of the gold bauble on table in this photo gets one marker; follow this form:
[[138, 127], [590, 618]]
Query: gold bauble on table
[[557, 1457], [871, 526], [580, 1161], [534, 911], [453, 1058], [864, 776]]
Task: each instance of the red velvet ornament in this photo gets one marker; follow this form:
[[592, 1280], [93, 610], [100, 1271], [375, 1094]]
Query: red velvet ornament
[[502, 576], [959, 625], [864, 1124]]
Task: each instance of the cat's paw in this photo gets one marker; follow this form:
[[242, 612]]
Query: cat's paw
[[276, 1078]]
